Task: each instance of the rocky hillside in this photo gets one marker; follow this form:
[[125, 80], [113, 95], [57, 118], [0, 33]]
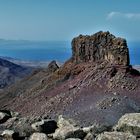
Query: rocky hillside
[[97, 84], [10, 73]]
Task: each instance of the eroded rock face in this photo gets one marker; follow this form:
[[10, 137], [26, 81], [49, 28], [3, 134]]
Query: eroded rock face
[[100, 46]]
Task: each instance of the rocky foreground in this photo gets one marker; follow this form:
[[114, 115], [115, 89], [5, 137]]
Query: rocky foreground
[[14, 127]]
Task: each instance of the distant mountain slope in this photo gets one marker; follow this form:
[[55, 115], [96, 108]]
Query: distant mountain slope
[[10, 73], [28, 63]]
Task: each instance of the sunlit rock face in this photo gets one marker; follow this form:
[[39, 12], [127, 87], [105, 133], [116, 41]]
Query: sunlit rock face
[[100, 46]]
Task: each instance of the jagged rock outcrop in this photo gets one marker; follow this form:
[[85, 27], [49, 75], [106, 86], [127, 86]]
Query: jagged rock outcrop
[[100, 46], [52, 66]]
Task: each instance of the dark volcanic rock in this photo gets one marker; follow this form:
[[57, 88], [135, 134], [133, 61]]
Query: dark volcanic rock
[[52, 67], [100, 46]]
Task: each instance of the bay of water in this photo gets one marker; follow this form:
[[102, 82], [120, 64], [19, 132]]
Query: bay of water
[[52, 50], [37, 51]]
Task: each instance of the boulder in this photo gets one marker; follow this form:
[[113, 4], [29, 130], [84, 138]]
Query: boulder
[[115, 136], [4, 117], [68, 132], [37, 126], [100, 46], [129, 123], [38, 136], [9, 123], [95, 129], [62, 122], [68, 129], [14, 114], [22, 125], [89, 136], [45, 126], [10, 135]]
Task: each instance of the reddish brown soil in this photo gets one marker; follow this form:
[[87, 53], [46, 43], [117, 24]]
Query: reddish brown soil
[[87, 92]]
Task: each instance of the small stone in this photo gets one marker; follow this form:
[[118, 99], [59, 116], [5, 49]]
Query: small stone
[[125, 97], [115, 93], [122, 86]]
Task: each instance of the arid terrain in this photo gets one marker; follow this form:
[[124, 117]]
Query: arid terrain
[[97, 84]]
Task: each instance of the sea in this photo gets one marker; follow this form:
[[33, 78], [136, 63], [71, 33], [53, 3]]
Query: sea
[[134, 52], [51, 50]]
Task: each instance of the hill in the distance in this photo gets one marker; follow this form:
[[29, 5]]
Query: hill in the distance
[[10, 73]]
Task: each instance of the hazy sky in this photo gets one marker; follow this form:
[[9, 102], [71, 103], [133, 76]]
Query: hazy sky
[[63, 19]]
